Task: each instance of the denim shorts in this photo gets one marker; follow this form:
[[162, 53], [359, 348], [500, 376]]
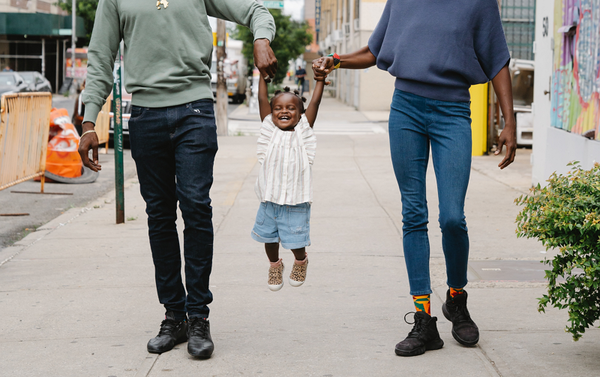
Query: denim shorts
[[289, 225]]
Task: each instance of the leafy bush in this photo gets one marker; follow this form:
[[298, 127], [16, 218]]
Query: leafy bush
[[566, 215]]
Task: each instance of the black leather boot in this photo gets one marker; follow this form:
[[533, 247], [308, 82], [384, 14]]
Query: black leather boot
[[172, 332], [200, 343]]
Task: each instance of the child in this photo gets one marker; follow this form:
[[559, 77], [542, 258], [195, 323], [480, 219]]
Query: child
[[286, 150]]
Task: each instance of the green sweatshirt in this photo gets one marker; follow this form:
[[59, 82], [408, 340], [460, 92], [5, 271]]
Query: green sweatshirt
[[168, 48]]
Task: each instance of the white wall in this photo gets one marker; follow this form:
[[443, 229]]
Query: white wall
[[553, 148]]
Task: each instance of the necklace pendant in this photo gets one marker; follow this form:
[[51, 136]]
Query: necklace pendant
[[164, 3]]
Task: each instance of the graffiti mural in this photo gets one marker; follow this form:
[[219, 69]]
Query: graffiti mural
[[576, 68]]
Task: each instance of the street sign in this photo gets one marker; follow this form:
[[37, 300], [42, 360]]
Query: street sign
[[273, 4]]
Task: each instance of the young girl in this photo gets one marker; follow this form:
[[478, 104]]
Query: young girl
[[286, 151]]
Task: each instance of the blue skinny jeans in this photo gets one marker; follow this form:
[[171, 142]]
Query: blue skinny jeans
[[416, 126], [174, 150]]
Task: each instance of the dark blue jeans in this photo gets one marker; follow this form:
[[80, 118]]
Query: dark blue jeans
[[174, 150], [416, 125]]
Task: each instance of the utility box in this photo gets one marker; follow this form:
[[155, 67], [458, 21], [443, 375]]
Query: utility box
[[479, 113]]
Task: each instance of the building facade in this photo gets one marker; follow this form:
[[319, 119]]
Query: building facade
[[343, 26], [34, 36]]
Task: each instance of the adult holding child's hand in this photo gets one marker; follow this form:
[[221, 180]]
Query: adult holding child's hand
[[264, 59], [436, 56]]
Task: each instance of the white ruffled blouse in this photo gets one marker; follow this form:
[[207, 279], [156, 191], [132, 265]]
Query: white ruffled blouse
[[286, 157]]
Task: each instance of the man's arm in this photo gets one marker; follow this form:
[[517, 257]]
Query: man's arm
[[256, 17], [508, 137], [263, 99], [102, 52]]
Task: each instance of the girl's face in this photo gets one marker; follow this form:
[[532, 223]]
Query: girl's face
[[286, 111]]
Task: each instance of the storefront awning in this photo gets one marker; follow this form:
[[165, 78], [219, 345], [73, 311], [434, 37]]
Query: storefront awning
[[41, 24]]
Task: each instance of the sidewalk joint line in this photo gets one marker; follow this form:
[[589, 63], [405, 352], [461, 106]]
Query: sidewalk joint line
[[371, 188]]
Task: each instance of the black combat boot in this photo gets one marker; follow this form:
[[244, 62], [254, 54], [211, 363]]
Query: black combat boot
[[464, 330], [424, 336]]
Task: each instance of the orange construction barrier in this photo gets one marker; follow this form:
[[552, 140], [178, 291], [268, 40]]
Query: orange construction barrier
[[24, 119], [63, 158]]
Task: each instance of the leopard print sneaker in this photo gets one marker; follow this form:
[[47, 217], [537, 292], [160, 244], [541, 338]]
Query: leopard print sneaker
[[298, 274], [276, 276]]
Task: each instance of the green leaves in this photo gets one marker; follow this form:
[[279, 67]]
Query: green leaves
[[290, 41], [566, 215]]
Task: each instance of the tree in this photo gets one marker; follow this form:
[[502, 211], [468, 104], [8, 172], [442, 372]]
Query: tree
[[86, 9], [290, 41]]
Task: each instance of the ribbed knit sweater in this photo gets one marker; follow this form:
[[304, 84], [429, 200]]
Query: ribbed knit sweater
[[168, 48]]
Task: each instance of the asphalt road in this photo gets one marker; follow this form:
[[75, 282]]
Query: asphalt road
[[41, 208]]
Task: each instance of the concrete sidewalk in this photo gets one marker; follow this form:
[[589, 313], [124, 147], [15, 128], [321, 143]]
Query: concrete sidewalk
[[77, 297]]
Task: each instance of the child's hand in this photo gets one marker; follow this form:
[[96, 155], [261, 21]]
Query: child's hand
[[320, 75], [322, 78]]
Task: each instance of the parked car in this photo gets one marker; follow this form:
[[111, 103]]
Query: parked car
[[125, 115], [36, 82], [12, 82]]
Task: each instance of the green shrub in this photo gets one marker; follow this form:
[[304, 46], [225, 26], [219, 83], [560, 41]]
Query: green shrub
[[565, 215]]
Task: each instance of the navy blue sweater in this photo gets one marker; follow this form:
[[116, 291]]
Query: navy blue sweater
[[439, 48]]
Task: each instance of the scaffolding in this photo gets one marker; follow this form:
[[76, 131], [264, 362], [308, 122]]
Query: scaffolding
[[518, 21]]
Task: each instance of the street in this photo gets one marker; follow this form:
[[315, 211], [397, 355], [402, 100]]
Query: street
[[41, 208]]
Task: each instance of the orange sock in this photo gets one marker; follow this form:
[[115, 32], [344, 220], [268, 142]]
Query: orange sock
[[456, 291], [422, 303]]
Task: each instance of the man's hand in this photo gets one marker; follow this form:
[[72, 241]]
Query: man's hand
[[264, 59], [87, 142]]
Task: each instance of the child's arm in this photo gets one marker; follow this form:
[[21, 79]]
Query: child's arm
[[263, 99], [315, 101]]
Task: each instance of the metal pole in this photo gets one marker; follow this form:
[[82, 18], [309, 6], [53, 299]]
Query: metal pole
[[57, 62], [73, 37], [43, 57], [118, 141], [222, 97]]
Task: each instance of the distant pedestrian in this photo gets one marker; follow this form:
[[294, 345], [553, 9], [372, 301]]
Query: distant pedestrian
[[286, 151], [436, 51], [173, 137], [7, 69], [300, 76]]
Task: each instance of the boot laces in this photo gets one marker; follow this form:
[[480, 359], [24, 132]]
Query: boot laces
[[418, 328], [460, 313], [199, 327], [168, 327]]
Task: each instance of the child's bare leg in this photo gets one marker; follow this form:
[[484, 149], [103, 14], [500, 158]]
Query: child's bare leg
[[299, 254], [272, 250]]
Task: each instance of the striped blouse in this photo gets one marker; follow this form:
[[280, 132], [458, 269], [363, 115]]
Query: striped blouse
[[285, 175]]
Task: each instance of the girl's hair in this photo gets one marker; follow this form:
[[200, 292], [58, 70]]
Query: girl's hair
[[294, 92]]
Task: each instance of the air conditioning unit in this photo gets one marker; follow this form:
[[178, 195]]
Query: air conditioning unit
[[356, 24], [328, 41], [346, 28], [338, 36]]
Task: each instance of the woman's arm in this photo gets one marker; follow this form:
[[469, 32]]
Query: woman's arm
[[508, 137], [362, 58], [263, 98], [315, 101]]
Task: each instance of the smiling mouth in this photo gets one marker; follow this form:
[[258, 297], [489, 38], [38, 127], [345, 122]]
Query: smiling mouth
[[284, 118]]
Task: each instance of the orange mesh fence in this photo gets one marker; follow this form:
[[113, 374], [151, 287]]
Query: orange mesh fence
[[24, 119]]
